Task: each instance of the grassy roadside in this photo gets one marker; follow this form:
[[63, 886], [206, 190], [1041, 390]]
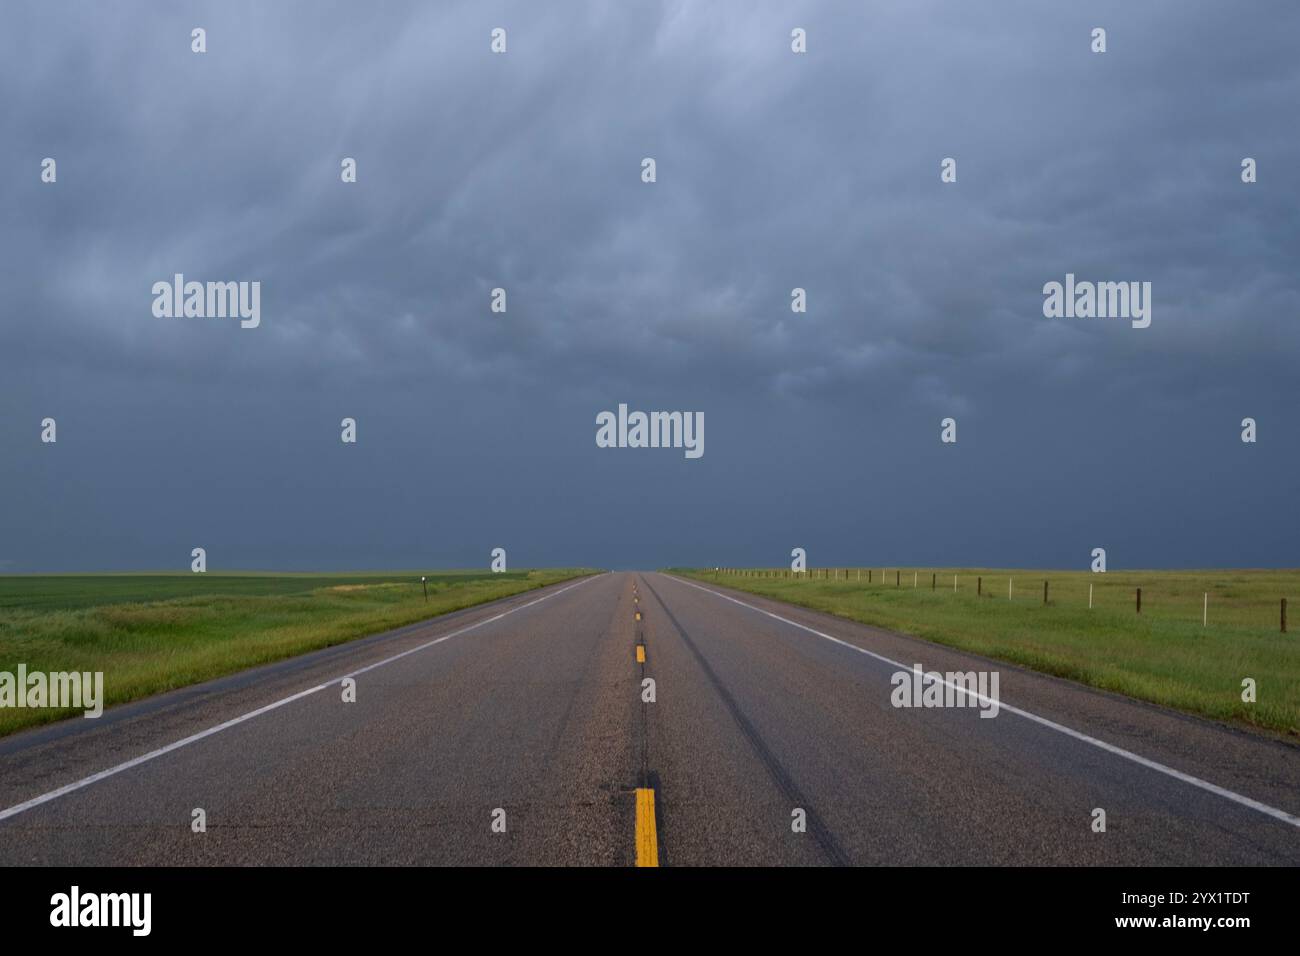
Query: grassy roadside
[[149, 633], [1163, 655]]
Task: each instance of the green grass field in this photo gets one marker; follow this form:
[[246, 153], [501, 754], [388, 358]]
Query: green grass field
[[1164, 655], [153, 632]]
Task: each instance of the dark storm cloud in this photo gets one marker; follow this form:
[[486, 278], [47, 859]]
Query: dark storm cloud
[[522, 171]]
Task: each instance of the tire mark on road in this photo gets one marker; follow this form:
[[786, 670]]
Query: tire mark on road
[[821, 834]]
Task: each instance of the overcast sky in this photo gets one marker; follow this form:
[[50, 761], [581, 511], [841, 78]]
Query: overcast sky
[[523, 170]]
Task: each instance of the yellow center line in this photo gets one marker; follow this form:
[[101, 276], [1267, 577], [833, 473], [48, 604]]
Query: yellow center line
[[647, 842], [640, 653], [638, 615]]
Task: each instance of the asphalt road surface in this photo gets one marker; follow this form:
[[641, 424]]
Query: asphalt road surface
[[518, 733]]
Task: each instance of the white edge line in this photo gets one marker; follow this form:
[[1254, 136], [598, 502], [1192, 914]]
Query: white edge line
[[1060, 728], [193, 738]]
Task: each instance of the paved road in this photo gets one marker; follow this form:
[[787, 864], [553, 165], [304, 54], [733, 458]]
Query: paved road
[[533, 706]]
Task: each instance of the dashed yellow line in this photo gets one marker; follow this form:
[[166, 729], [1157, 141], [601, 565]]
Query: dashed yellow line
[[647, 842], [638, 615], [640, 653]]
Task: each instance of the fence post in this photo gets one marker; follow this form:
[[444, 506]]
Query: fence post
[[979, 586], [1139, 600], [933, 578], [1205, 610], [898, 576], [1044, 592], [1284, 615], [869, 575]]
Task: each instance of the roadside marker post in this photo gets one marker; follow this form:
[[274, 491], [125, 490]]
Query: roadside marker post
[[424, 584], [1205, 610], [1089, 597]]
